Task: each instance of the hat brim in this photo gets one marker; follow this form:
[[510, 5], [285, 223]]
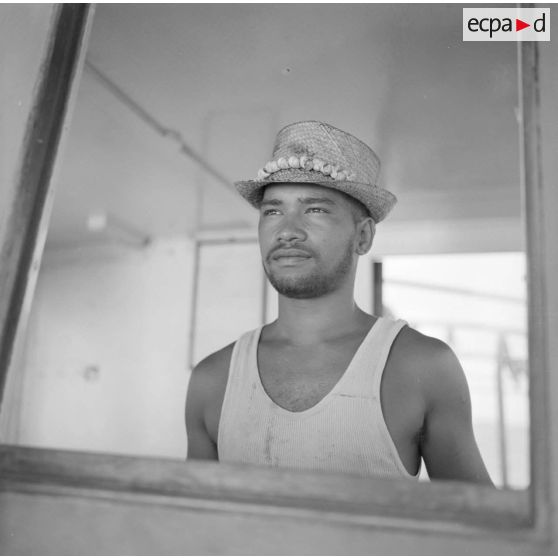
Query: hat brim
[[378, 201]]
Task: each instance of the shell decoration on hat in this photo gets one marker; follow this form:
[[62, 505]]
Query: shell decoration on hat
[[306, 163]]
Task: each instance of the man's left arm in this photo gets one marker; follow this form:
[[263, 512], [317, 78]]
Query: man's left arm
[[448, 444]]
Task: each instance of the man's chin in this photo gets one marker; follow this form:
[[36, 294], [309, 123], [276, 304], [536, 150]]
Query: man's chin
[[300, 294], [299, 287]]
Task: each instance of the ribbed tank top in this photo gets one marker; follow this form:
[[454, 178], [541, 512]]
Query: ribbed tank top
[[344, 432]]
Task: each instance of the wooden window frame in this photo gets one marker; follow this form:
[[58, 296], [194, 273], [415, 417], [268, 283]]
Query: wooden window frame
[[448, 507]]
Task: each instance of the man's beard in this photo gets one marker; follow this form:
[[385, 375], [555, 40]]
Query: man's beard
[[315, 283]]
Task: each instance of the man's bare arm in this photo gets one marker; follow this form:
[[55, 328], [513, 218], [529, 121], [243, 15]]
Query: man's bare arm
[[200, 444], [448, 445], [204, 402]]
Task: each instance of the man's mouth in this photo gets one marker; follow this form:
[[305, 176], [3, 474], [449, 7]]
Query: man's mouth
[[289, 257], [285, 255]]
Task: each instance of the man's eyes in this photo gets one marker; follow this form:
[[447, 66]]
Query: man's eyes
[[269, 212]]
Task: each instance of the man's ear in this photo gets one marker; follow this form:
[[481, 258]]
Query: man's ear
[[365, 235]]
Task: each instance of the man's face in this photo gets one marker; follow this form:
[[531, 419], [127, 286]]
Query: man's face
[[307, 239]]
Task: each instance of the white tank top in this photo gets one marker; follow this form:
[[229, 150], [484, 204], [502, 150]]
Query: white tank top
[[344, 432]]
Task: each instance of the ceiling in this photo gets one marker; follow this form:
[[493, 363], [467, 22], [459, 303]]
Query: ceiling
[[224, 78]]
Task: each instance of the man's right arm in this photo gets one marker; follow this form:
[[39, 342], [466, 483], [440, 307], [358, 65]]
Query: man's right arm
[[203, 404], [200, 443]]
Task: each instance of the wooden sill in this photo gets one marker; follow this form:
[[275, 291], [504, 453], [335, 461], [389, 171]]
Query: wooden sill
[[446, 506]]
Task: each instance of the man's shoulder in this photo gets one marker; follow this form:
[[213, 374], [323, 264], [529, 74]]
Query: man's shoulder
[[208, 381], [411, 342], [215, 365], [428, 359]]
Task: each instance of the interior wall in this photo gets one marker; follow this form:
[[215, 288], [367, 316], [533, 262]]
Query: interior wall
[[229, 295], [107, 349]]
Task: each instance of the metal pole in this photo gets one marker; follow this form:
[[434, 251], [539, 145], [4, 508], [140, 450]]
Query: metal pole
[[501, 410], [194, 305]]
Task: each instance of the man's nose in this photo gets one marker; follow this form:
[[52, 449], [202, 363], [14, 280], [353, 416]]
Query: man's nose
[[291, 231]]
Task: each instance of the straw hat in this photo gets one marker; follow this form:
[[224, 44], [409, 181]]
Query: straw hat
[[317, 153]]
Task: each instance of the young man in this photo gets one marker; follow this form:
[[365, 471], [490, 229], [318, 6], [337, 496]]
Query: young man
[[327, 386]]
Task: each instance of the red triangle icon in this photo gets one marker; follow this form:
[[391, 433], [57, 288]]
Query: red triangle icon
[[519, 25]]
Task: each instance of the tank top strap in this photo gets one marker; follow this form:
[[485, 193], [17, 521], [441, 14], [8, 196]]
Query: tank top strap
[[243, 351], [366, 368], [241, 371]]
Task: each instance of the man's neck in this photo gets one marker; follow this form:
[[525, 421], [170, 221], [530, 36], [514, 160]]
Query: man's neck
[[315, 320]]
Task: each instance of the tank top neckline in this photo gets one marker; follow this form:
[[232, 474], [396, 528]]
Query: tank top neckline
[[324, 401]]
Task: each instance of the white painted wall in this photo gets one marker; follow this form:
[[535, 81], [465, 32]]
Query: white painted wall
[[229, 296], [106, 356]]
